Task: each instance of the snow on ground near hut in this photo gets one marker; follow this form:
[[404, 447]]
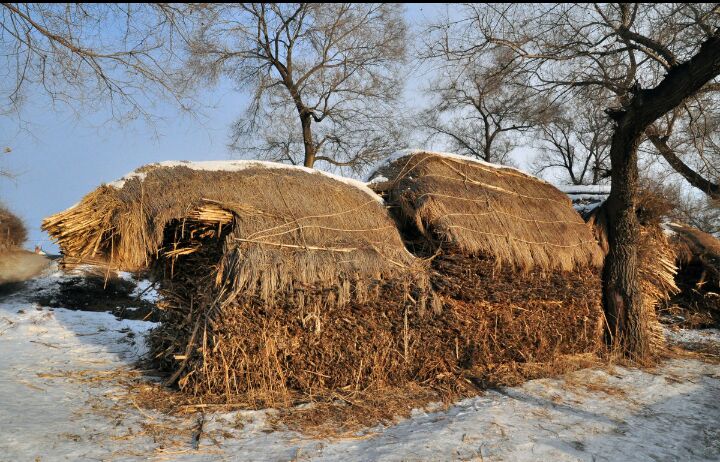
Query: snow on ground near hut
[[62, 398]]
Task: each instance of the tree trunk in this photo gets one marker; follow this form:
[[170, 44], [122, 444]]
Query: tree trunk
[[622, 296], [309, 144], [628, 329]]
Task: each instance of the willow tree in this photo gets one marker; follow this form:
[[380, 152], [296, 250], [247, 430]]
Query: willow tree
[[83, 56], [575, 141], [478, 108], [650, 57], [333, 68]]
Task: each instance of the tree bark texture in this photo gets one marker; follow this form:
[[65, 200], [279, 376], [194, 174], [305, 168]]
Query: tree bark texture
[[622, 297]]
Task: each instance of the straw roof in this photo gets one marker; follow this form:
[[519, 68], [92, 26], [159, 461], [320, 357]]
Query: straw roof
[[691, 244], [12, 230], [487, 209], [280, 225]]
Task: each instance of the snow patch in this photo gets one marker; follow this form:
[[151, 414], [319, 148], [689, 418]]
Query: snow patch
[[378, 179], [59, 400]]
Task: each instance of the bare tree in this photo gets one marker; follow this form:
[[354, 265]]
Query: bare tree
[[478, 107], [688, 139], [673, 49], [685, 207], [84, 54], [336, 66], [577, 143], [702, 214]]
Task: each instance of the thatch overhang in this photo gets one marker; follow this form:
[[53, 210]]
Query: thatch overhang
[[692, 245], [486, 209], [281, 225]]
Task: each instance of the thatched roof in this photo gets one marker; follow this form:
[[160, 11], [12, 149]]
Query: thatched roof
[[287, 225], [691, 244], [12, 230], [487, 209]]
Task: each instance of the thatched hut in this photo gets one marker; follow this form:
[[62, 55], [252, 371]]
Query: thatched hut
[[508, 255], [12, 230], [277, 280], [698, 276]]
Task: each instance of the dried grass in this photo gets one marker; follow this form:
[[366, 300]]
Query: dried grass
[[697, 304], [288, 228], [239, 349], [693, 246], [519, 220], [282, 287]]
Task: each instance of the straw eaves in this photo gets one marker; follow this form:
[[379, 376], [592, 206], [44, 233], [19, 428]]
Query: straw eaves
[[286, 226], [691, 244], [481, 208]]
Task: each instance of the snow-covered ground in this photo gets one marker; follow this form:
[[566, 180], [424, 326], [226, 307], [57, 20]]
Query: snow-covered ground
[[63, 396]]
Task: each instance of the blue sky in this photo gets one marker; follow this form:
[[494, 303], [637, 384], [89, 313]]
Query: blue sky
[[58, 157]]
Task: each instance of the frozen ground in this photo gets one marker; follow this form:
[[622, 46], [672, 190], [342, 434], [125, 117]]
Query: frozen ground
[[62, 397]]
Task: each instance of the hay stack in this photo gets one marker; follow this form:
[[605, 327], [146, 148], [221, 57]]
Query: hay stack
[[484, 209], [509, 256], [283, 283], [698, 277], [277, 281], [12, 231]]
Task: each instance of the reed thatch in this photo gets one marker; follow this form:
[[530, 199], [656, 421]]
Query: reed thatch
[[12, 230], [286, 227], [485, 209], [693, 245], [697, 304], [479, 224], [284, 284]]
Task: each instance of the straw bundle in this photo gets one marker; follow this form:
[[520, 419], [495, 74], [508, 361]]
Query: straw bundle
[[695, 246], [503, 241], [698, 259]]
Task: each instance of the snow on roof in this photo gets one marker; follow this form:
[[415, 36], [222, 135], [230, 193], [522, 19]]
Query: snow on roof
[[407, 152], [668, 227], [585, 198], [584, 189], [239, 165]]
